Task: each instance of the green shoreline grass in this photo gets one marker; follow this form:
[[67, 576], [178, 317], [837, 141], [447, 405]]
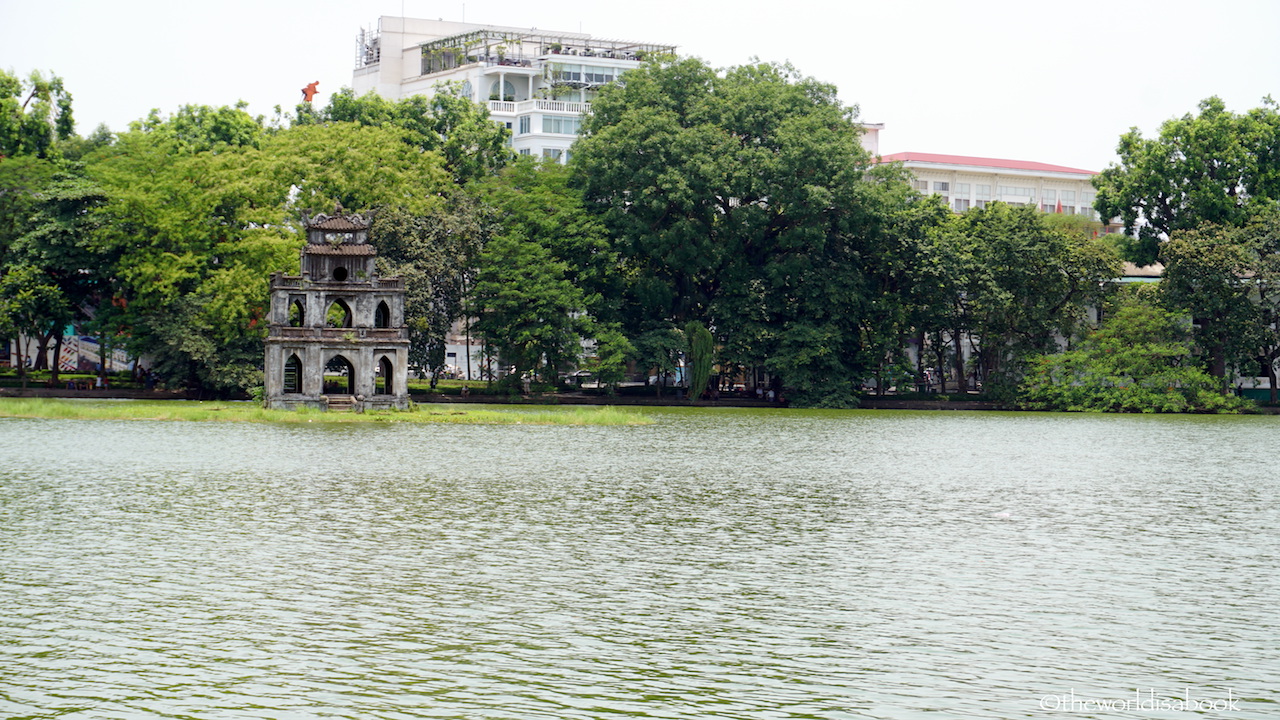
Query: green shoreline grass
[[178, 410]]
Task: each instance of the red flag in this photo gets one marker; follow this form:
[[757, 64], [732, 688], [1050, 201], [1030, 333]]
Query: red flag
[[1059, 210]]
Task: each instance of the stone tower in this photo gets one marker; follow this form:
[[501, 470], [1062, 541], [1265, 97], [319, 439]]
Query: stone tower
[[337, 337]]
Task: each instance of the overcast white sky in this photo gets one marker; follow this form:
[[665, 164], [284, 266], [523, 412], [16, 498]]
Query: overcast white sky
[[1050, 82]]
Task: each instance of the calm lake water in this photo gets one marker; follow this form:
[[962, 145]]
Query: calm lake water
[[716, 564]]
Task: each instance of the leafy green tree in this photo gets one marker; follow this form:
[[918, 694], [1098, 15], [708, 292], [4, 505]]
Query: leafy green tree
[[1262, 236], [904, 279], [657, 349], [1140, 360], [702, 357], [22, 180], [436, 253], [56, 239], [360, 167], [1211, 167], [34, 114], [1017, 285], [35, 120], [740, 199], [526, 307], [1225, 278], [612, 352], [536, 200], [471, 144], [30, 307], [1206, 276], [201, 128], [196, 235]]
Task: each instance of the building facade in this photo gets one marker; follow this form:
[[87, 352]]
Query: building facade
[[537, 83], [972, 182]]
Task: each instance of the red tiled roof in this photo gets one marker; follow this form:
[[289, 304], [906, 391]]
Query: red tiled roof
[[982, 162]]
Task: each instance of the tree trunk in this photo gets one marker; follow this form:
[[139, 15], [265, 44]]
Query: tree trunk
[[920, 380], [57, 359], [1271, 376], [42, 351], [962, 382], [22, 363], [940, 352], [1218, 367]]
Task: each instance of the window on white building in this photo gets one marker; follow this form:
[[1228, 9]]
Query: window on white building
[[524, 124], [1014, 191], [555, 154], [560, 72], [920, 185], [962, 189], [962, 204], [941, 187], [561, 125], [597, 75], [1086, 204]]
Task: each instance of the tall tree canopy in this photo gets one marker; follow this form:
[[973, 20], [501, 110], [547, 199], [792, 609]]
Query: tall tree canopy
[[1227, 279], [1216, 166], [34, 114], [1017, 284], [740, 199], [435, 251], [461, 131], [544, 223]]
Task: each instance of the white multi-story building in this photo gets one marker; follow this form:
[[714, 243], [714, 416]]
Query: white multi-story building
[[972, 182], [538, 83]]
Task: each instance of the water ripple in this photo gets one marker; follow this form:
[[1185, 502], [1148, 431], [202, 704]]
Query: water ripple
[[725, 564]]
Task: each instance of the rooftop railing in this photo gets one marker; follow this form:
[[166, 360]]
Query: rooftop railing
[[538, 105]]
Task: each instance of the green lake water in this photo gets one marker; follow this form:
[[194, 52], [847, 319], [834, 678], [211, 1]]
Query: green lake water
[[716, 564]]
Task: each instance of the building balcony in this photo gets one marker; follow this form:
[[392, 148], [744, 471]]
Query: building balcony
[[522, 107]]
